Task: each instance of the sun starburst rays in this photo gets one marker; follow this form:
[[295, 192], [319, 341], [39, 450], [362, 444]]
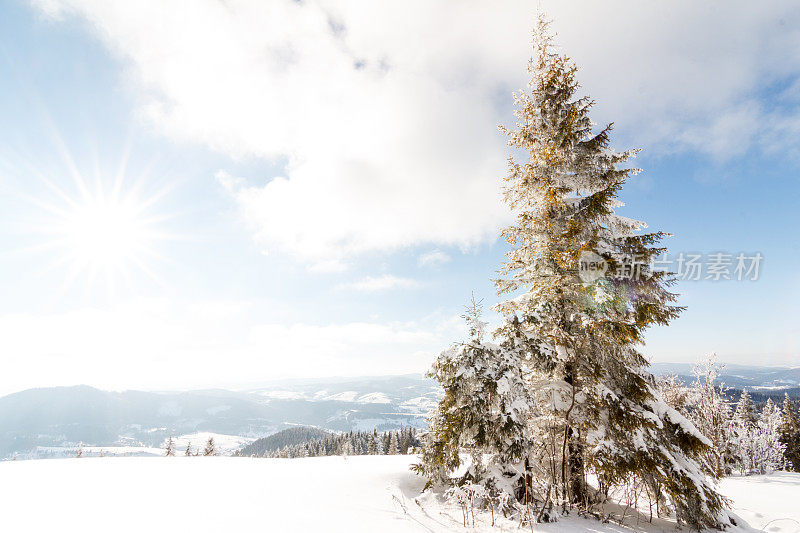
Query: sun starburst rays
[[104, 231]]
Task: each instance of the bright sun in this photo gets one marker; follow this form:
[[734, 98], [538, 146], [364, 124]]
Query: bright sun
[[104, 234]]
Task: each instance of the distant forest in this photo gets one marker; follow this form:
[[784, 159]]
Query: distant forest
[[313, 442], [760, 396]]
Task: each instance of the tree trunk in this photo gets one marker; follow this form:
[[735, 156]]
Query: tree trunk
[[577, 484], [574, 480]]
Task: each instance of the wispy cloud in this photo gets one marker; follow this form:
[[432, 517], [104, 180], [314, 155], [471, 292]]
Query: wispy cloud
[[328, 266], [380, 284], [78, 345], [433, 258], [389, 123]]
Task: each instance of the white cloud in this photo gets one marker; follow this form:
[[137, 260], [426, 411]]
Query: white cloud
[[433, 258], [380, 283], [197, 344], [328, 266], [386, 112]]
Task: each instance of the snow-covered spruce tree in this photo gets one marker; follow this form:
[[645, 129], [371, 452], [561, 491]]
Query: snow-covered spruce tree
[[745, 420], [790, 433], [711, 414], [483, 413], [170, 451], [188, 451], [758, 444], [372, 444], [769, 448], [406, 439], [386, 440], [211, 448], [746, 413], [578, 337], [347, 449]]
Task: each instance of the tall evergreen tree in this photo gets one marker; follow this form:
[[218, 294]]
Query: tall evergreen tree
[[170, 451], [711, 414], [211, 448], [484, 412], [769, 448], [405, 440], [393, 444], [372, 445], [790, 433], [745, 422], [188, 451], [581, 325], [580, 299], [386, 440], [746, 413], [347, 449]]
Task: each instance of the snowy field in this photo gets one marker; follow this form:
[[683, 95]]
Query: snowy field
[[225, 445], [769, 503], [331, 494]]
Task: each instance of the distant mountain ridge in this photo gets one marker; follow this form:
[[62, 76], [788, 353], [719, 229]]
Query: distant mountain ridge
[[740, 376], [65, 416]]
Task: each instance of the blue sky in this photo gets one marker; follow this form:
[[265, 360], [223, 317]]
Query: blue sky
[[325, 188]]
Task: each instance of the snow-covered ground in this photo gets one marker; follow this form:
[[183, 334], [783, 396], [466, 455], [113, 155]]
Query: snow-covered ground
[[60, 452], [225, 444], [331, 494], [769, 503]]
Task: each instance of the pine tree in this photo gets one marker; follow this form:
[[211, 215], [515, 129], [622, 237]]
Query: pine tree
[[746, 413], [393, 445], [372, 446], [170, 451], [347, 449], [769, 449], [582, 329], [188, 451], [211, 448], [79, 451], [405, 440], [745, 421], [711, 414], [582, 300], [386, 441], [790, 433], [483, 412]]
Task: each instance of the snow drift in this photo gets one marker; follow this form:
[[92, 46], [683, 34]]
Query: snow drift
[[331, 494]]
